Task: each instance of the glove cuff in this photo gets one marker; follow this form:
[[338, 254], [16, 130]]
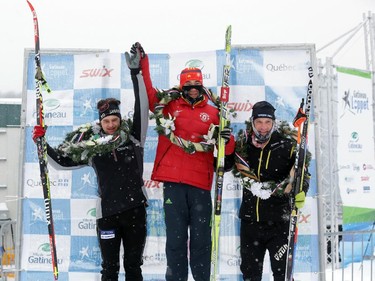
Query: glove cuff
[[134, 71]]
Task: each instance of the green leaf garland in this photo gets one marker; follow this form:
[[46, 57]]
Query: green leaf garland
[[248, 177], [86, 141], [165, 124]]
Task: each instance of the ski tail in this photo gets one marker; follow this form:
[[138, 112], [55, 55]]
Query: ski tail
[[301, 121], [41, 143], [219, 180]]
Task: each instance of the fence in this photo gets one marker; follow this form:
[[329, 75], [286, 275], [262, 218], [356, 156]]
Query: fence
[[355, 258]]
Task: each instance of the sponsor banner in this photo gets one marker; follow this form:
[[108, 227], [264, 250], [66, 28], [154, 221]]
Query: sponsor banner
[[84, 184], [57, 70], [100, 70], [44, 275], [155, 218], [154, 258], [205, 61], [58, 108], [242, 99], [232, 187], [355, 142], [85, 102], [308, 217], [229, 255], [154, 189], [159, 71], [83, 217], [36, 254], [307, 256], [230, 222], [84, 254], [60, 182], [247, 67], [150, 145], [34, 216], [286, 67], [79, 82], [127, 103]]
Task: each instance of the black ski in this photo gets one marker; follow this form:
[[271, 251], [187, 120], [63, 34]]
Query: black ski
[[302, 122], [41, 144]]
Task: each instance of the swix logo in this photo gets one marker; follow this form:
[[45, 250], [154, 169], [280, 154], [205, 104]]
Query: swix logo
[[304, 218], [96, 72], [240, 106], [152, 184]]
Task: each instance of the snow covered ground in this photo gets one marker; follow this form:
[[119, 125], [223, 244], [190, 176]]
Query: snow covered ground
[[354, 272]]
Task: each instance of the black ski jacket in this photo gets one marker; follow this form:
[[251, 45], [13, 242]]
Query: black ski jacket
[[119, 173], [272, 163]]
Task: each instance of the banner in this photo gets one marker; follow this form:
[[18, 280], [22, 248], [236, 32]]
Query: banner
[[278, 75], [355, 157]]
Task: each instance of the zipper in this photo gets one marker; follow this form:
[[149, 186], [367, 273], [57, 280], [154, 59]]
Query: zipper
[[114, 155]]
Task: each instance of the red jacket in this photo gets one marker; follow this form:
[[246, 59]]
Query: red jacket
[[172, 163]]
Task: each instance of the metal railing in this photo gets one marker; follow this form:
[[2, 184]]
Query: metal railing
[[356, 256], [7, 250]]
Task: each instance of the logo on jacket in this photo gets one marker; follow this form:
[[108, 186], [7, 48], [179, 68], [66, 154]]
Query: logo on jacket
[[204, 117]]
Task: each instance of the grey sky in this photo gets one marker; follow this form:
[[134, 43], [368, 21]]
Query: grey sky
[[173, 26]]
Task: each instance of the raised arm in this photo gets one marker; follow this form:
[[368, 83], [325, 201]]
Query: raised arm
[[141, 106], [145, 71]]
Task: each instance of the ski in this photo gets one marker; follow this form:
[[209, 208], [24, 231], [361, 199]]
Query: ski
[[41, 144], [224, 96], [301, 121]]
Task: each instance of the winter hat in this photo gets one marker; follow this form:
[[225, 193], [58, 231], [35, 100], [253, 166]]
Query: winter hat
[[190, 73], [263, 109], [108, 107]]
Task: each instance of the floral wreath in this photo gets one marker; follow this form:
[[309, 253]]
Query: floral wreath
[[248, 177], [86, 141], [165, 124]]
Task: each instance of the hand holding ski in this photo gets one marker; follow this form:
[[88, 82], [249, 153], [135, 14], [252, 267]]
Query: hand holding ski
[[301, 121], [41, 144]]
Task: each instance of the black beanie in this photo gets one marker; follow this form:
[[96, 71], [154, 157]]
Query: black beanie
[[263, 109], [109, 107]]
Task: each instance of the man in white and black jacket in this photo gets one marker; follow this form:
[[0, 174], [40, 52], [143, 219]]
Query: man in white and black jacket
[[121, 213]]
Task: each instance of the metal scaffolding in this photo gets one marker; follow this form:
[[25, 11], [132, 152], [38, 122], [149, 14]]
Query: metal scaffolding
[[330, 205]]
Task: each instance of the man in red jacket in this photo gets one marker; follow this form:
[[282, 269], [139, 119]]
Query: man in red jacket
[[185, 164]]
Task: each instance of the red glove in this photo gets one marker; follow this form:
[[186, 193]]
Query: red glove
[[38, 132]]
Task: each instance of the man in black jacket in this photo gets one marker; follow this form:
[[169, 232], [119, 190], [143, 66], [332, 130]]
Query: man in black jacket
[[266, 156], [114, 148]]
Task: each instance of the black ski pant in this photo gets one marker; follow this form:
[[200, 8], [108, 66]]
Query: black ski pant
[[130, 228], [187, 208], [256, 238]]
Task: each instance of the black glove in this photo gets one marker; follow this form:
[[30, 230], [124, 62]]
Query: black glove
[[135, 46], [133, 60], [225, 133]]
